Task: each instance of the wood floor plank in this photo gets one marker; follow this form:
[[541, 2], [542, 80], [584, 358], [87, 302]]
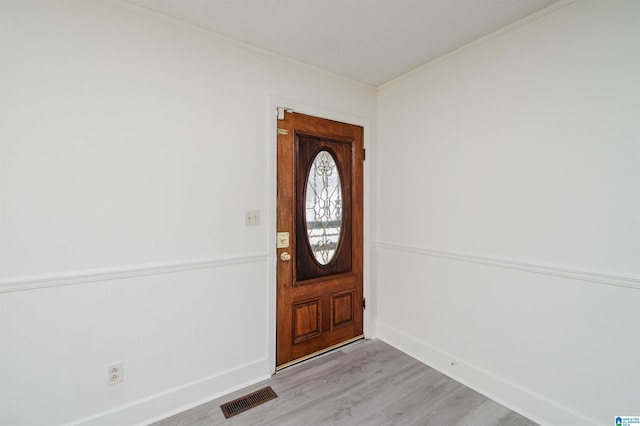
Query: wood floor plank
[[452, 409], [366, 383], [421, 401], [489, 413]]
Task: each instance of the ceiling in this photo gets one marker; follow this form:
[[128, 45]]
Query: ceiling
[[371, 41]]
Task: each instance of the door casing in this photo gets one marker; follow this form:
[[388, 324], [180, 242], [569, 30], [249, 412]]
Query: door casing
[[274, 104]]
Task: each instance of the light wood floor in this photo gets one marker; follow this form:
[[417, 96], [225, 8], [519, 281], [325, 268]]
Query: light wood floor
[[366, 383]]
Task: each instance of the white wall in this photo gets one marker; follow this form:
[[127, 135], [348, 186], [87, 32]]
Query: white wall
[[508, 214], [508, 221], [130, 147]]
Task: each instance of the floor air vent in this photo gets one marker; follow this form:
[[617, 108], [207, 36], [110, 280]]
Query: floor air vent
[[246, 402]]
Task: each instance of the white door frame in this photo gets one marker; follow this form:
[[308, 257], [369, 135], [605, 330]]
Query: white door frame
[[303, 108]]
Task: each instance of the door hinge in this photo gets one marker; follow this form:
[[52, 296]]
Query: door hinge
[[283, 132], [364, 303], [364, 154]]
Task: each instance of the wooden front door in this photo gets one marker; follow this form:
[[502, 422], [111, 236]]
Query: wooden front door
[[320, 229]]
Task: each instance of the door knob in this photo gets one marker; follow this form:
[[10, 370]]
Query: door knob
[[285, 257]]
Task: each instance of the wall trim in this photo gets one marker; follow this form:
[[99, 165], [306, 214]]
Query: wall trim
[[244, 45], [85, 276], [608, 278], [178, 399], [499, 389], [495, 34]]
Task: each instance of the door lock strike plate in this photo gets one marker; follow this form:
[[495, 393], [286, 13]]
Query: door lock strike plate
[[282, 240]]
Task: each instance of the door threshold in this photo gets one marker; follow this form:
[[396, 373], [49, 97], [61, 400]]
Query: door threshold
[[320, 352]]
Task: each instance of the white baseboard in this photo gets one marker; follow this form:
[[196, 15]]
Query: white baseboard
[[164, 404], [517, 398]]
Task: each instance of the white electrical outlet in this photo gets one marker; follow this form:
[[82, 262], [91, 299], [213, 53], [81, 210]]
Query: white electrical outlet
[[252, 218], [114, 373]]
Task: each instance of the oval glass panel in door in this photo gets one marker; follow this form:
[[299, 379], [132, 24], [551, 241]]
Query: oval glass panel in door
[[323, 203]]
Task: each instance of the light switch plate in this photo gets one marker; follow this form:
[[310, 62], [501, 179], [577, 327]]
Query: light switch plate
[[252, 218]]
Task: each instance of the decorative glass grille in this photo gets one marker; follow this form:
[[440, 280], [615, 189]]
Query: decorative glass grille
[[323, 202]]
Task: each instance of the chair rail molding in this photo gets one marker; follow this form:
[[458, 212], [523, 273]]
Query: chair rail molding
[[608, 278], [31, 282]]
